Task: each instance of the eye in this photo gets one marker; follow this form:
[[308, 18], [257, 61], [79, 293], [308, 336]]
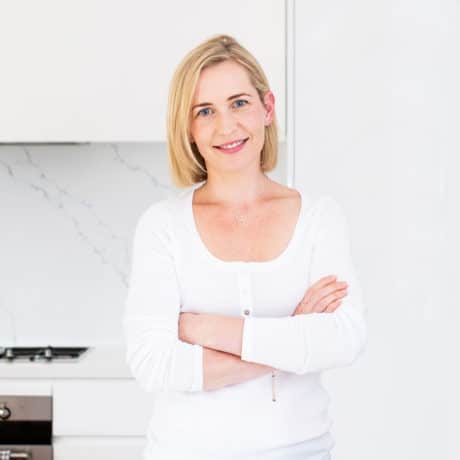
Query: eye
[[202, 111], [241, 100]]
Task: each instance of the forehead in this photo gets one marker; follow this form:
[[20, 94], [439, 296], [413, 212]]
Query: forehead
[[222, 80]]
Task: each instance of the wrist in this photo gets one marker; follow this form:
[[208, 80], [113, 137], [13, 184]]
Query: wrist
[[187, 327]]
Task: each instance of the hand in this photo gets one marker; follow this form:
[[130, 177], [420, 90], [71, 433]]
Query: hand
[[324, 296]]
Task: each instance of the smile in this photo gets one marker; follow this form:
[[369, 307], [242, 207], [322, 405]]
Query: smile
[[232, 147]]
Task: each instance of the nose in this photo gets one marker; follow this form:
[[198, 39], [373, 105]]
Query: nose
[[226, 123]]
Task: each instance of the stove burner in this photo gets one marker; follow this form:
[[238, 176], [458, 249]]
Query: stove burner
[[48, 353]]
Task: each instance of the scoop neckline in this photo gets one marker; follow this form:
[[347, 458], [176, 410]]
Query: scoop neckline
[[242, 263]]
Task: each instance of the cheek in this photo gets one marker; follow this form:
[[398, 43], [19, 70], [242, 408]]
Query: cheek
[[253, 120], [200, 132]]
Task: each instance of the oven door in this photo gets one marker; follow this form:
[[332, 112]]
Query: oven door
[[25, 452], [25, 427]]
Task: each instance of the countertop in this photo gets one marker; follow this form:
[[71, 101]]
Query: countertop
[[105, 361]]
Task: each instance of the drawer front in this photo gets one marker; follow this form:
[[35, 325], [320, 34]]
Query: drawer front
[[98, 448], [100, 407], [24, 387]]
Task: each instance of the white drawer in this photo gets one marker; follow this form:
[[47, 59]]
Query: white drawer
[[100, 408], [85, 448], [25, 387]]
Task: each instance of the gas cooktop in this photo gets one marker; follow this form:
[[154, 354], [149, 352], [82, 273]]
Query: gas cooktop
[[48, 353]]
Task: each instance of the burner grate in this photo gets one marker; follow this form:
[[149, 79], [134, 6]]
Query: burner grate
[[48, 353]]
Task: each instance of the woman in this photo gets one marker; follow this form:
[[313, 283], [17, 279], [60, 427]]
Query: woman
[[232, 311]]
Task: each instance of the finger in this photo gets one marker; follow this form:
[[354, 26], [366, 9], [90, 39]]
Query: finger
[[322, 304], [323, 281], [322, 294], [333, 306], [304, 307], [316, 287], [317, 301]]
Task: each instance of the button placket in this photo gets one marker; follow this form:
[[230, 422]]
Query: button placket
[[245, 293], [246, 307]]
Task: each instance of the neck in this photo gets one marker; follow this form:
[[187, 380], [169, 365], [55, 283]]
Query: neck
[[237, 191]]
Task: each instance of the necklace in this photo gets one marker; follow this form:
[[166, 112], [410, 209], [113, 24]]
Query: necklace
[[240, 218], [244, 219]]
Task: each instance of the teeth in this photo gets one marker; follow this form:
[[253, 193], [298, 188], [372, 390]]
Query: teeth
[[230, 146]]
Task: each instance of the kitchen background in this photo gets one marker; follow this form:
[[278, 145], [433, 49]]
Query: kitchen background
[[68, 214], [368, 99]]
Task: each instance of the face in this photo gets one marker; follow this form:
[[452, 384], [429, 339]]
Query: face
[[226, 109]]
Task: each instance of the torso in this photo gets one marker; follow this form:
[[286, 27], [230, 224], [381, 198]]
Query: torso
[[262, 237]]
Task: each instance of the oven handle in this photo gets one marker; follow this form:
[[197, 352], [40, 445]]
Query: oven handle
[[8, 455]]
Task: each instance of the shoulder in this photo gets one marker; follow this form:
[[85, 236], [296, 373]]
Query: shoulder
[[330, 219], [156, 214], [317, 203], [162, 215], [321, 209], [157, 218], [329, 205]]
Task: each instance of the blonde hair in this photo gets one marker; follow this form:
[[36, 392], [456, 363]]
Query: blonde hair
[[185, 161]]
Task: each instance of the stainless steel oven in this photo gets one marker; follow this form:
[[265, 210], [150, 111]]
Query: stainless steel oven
[[26, 427]]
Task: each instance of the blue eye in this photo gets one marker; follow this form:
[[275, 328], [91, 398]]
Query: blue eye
[[200, 111], [241, 100]]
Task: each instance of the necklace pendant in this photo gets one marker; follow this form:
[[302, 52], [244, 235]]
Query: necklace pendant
[[240, 218], [273, 386]]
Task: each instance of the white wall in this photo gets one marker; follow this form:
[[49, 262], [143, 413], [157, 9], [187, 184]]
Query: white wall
[[376, 126]]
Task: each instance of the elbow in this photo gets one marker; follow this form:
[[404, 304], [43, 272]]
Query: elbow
[[355, 341], [148, 356], [144, 363], [159, 361]]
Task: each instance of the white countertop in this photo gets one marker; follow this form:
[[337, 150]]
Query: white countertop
[[106, 361]]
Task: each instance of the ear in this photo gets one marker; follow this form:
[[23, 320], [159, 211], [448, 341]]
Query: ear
[[269, 104]]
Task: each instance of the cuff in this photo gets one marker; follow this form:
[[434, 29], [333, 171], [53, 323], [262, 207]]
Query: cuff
[[246, 345]]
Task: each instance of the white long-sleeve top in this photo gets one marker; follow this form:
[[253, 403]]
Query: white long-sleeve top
[[172, 271]]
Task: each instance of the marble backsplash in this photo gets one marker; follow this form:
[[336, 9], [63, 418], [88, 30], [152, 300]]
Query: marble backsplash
[[67, 215]]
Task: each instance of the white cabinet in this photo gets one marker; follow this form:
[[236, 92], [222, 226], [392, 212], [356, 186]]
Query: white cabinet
[[87, 448], [99, 71], [100, 408], [99, 418]]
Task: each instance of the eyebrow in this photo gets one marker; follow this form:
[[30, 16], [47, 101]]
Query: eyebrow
[[228, 99]]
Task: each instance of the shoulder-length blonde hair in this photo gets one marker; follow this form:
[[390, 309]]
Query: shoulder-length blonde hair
[[185, 161]]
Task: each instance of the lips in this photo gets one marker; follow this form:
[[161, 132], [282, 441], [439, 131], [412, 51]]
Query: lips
[[232, 144]]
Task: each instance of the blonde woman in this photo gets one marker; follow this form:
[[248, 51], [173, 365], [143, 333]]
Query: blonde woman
[[242, 290]]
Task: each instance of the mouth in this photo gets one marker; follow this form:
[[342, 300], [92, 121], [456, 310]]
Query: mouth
[[233, 146]]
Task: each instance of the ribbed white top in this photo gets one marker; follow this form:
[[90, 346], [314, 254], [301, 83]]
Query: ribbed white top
[[172, 271]]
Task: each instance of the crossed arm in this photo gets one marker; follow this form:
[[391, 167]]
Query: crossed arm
[[221, 337], [233, 349]]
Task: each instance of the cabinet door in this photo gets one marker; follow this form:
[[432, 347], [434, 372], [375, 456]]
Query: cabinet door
[[88, 448], [23, 387], [84, 70], [100, 408]]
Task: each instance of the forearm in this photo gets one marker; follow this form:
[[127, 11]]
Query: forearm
[[219, 332], [221, 369]]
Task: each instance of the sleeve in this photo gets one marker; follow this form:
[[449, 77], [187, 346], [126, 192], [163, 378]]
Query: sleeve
[[317, 341], [157, 358]]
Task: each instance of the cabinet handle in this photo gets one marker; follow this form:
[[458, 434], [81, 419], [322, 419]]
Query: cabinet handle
[[8, 455], [4, 411]]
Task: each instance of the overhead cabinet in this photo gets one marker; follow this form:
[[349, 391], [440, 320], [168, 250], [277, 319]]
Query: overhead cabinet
[[99, 71]]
